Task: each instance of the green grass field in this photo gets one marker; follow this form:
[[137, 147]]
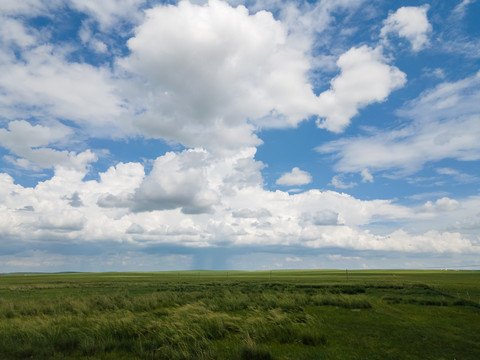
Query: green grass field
[[241, 315]]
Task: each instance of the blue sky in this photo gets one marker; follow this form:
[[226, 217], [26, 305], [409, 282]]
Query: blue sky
[[154, 135]]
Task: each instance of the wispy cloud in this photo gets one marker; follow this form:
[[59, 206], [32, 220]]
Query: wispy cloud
[[461, 8], [444, 126]]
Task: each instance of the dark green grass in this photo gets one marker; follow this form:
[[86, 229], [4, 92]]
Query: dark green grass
[[241, 315]]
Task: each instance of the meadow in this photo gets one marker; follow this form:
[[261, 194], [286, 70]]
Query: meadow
[[315, 314]]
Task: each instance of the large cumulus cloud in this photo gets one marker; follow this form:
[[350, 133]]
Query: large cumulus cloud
[[216, 73]]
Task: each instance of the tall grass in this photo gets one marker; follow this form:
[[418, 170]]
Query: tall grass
[[190, 318]]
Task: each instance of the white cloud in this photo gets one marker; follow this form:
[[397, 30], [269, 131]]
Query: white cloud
[[177, 181], [33, 7], [365, 78], [411, 23], [426, 195], [118, 184], [46, 85], [21, 135], [212, 68], [447, 100], [445, 126], [339, 183], [407, 150], [110, 12], [215, 75], [295, 177], [30, 144], [86, 35], [459, 176], [443, 204], [447, 171], [447, 214], [192, 181], [176, 188], [461, 8], [259, 217], [435, 73], [309, 18], [431, 241], [366, 176], [13, 32]]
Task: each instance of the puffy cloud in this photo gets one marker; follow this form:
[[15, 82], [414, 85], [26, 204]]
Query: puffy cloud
[[247, 215], [46, 85], [443, 204], [212, 68], [30, 143], [215, 75], [432, 241], [365, 78], [295, 177], [445, 126], [192, 180], [446, 214], [411, 23], [177, 181], [169, 194], [400, 240], [21, 134]]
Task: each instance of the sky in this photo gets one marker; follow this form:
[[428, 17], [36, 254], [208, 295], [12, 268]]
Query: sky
[[143, 135]]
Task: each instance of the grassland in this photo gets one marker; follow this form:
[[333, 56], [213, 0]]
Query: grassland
[[241, 315]]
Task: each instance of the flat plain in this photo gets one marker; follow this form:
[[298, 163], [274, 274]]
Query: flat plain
[[301, 314]]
